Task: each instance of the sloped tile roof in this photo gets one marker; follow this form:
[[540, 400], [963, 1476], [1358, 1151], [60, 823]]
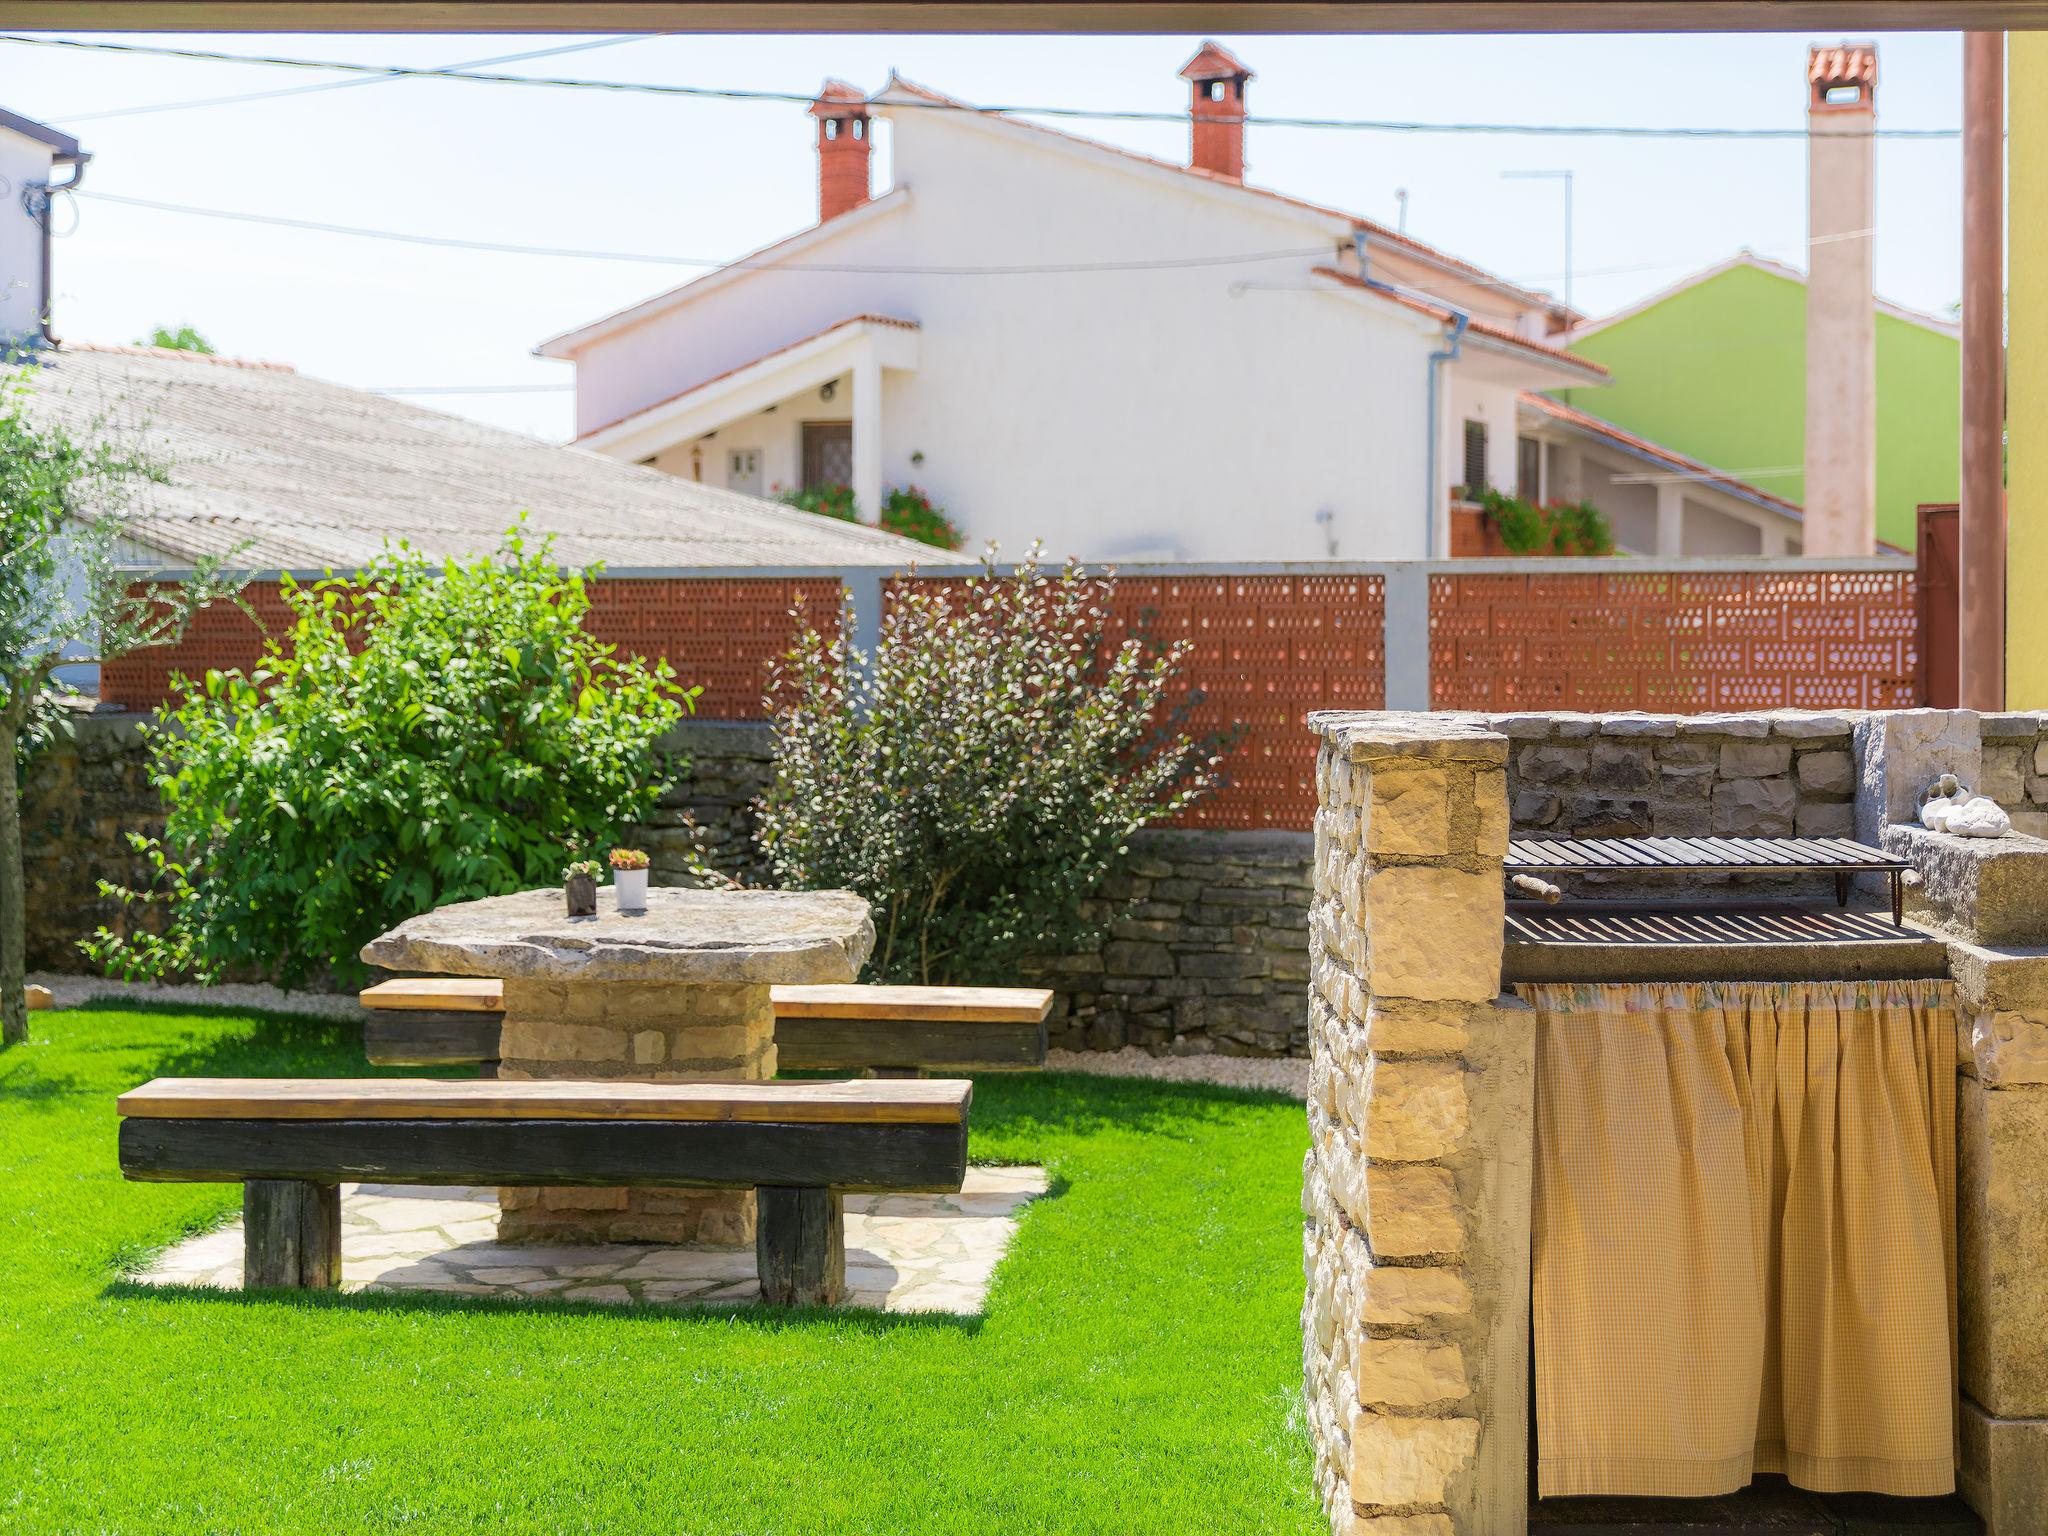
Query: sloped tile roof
[[280, 471]]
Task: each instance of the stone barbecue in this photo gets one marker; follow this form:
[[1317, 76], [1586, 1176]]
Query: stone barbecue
[[678, 992]]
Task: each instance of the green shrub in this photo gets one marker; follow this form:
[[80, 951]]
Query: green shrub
[[906, 510], [419, 737], [834, 500], [978, 777], [1561, 527]]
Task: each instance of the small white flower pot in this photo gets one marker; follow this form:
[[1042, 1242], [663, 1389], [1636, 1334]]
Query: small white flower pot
[[630, 886]]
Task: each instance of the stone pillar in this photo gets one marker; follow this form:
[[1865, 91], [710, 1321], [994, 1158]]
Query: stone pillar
[[1416, 1186], [2002, 1231], [1670, 519], [646, 1032]]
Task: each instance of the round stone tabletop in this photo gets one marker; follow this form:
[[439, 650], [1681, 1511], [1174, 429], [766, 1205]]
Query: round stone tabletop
[[745, 937]]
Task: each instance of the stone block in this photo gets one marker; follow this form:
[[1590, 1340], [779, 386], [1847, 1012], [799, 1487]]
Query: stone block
[[1992, 890], [1434, 932], [1899, 752], [1132, 957], [1409, 1373], [1490, 796], [1754, 759], [2009, 1049], [1397, 1462], [2002, 1240], [2002, 1471], [1747, 727], [2041, 756], [38, 998], [1998, 978], [1636, 723], [1410, 1296], [649, 1046], [1546, 764], [1808, 725], [540, 1040], [1401, 1026], [1827, 773], [1825, 818], [1417, 1110], [1535, 808], [1755, 807], [1614, 768], [1353, 1523], [1410, 811], [1412, 1211], [2004, 775]]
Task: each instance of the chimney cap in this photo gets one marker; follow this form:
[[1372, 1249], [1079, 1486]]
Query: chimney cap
[[1214, 62], [1842, 64], [838, 99]]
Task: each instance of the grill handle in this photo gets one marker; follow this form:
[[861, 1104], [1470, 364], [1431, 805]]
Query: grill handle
[[1542, 890]]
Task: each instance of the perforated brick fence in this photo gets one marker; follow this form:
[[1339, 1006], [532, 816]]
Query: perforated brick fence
[[1270, 644], [1675, 642]]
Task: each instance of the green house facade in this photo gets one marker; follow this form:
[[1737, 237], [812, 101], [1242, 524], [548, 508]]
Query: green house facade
[[1715, 368]]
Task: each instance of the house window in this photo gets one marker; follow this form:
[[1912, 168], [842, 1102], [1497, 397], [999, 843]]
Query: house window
[[743, 470], [1475, 457], [1528, 469], [828, 454]]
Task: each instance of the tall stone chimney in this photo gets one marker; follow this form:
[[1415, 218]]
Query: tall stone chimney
[[1841, 324], [1216, 111], [844, 140]]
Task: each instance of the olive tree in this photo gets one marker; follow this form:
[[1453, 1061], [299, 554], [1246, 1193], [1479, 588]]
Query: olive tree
[[63, 597]]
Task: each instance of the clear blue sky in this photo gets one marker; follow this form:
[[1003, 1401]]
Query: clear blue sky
[[715, 179]]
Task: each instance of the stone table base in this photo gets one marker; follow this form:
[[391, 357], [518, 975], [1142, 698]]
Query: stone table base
[[648, 1032]]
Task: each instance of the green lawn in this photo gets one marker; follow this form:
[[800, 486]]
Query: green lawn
[[1137, 1370]]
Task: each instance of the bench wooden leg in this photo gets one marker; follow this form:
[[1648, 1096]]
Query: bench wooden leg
[[799, 1246], [291, 1234]]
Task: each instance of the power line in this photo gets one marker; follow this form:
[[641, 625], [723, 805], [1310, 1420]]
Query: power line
[[805, 98], [1017, 269], [343, 85]]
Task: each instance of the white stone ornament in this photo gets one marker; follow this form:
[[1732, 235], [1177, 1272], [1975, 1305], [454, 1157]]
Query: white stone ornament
[[1978, 817]]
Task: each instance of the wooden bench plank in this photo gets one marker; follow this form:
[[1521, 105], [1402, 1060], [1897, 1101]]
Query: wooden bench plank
[[966, 1005], [423, 1038], [827, 1044], [683, 1154], [934, 1101], [457, 994]]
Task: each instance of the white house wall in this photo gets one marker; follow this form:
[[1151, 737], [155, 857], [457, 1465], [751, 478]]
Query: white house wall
[[1191, 412], [22, 160]]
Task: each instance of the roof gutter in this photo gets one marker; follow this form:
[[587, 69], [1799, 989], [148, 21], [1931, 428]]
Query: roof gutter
[[1458, 322], [36, 198]]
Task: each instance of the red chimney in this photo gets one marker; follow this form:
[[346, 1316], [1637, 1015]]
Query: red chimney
[[1216, 111], [843, 144]]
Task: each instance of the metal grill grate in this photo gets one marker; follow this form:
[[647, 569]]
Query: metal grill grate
[[1681, 856]]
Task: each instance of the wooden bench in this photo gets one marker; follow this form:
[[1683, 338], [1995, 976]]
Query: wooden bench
[[291, 1142], [891, 1031]]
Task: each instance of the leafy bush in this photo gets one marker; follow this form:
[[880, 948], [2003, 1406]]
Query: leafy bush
[[1562, 527], [977, 777], [906, 510], [834, 500], [419, 737]]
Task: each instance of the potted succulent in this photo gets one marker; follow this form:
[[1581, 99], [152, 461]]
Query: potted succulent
[[629, 878], [579, 885]]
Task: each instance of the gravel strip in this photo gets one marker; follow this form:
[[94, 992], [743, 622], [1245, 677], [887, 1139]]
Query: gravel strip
[[1277, 1074], [70, 991], [1281, 1074]]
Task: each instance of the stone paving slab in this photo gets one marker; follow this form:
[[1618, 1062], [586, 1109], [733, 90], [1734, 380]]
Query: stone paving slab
[[904, 1253]]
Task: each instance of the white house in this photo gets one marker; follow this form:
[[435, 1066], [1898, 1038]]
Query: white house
[[31, 155], [1061, 340]]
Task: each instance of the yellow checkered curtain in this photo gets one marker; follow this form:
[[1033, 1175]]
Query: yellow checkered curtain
[[1744, 1237]]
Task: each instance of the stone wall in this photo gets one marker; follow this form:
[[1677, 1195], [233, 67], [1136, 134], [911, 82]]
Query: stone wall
[[83, 796], [2015, 771], [1211, 958], [1417, 1180]]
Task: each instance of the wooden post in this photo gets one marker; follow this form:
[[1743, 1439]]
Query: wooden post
[[799, 1246], [291, 1234]]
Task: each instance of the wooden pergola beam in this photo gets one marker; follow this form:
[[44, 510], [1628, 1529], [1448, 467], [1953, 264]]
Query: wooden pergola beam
[[1022, 16]]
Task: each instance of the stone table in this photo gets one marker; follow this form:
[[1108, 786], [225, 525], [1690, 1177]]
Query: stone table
[[678, 992]]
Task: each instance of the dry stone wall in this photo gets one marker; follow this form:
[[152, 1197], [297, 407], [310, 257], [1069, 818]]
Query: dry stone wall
[[2015, 768], [1416, 1183]]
